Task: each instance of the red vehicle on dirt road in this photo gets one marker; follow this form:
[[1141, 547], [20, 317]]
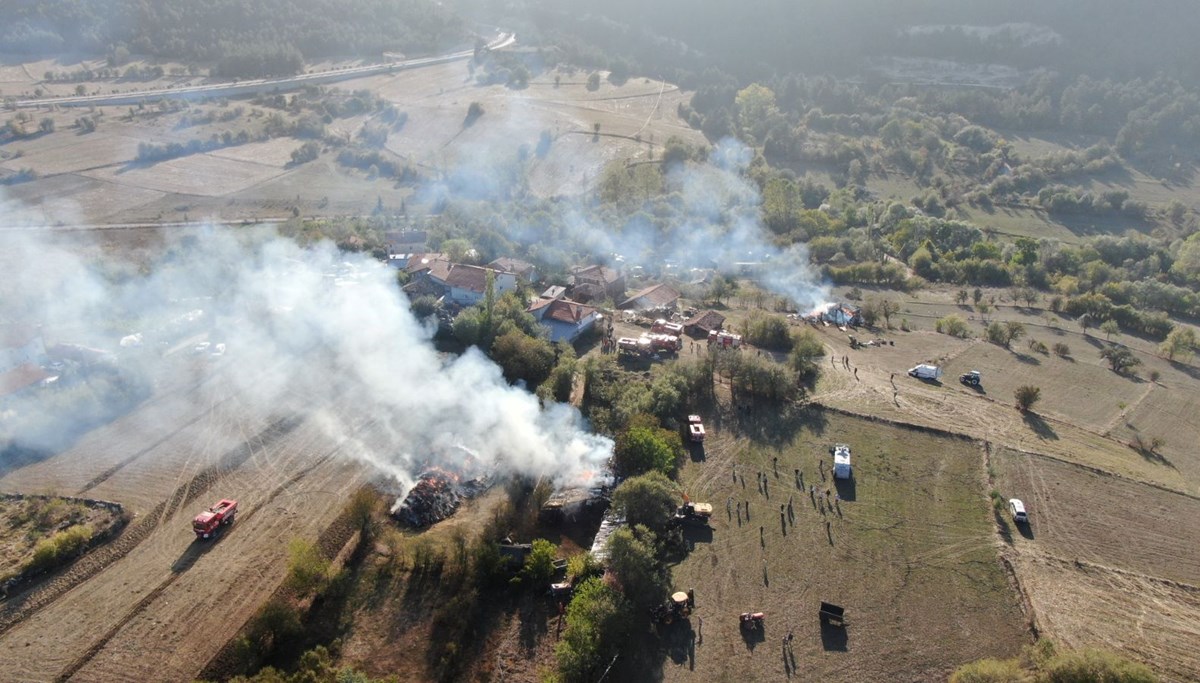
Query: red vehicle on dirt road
[[208, 523]]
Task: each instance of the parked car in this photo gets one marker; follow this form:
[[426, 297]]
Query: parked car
[[1018, 511]]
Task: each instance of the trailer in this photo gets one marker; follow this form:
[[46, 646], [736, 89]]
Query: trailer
[[832, 614]]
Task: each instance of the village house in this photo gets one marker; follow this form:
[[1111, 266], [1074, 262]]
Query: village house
[[564, 320], [596, 283], [467, 285], [525, 271], [654, 297], [704, 322]]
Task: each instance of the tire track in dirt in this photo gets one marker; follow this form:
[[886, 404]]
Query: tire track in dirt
[[37, 597]]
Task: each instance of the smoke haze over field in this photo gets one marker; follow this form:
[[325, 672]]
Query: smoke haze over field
[[302, 323]]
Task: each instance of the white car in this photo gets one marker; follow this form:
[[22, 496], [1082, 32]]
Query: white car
[[1018, 511], [201, 348], [218, 351]]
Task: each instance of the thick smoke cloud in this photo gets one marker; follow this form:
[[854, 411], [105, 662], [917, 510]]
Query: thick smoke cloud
[[299, 323]]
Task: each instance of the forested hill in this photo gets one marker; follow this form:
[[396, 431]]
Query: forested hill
[[753, 38], [215, 30]]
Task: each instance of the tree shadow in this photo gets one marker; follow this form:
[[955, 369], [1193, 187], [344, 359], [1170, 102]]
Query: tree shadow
[[533, 619], [834, 638], [1039, 426], [1027, 358], [1189, 370]]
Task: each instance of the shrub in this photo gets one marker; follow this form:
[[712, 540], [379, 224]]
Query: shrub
[[954, 326], [308, 570], [989, 671], [1027, 395], [768, 331], [1038, 347], [59, 548], [1062, 350]]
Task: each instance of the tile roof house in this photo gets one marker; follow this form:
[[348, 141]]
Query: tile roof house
[[418, 263], [524, 270], [466, 285], [654, 296], [591, 283], [704, 322], [564, 320]]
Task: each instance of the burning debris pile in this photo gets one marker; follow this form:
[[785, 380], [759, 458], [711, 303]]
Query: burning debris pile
[[436, 496]]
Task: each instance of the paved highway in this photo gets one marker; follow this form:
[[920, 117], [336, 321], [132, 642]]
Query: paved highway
[[258, 85]]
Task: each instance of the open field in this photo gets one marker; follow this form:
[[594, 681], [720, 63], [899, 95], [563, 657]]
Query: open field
[[136, 615], [93, 178], [1104, 562], [909, 551]]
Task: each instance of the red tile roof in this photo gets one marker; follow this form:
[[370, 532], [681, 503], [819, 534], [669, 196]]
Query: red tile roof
[[470, 278], [21, 377], [568, 311]]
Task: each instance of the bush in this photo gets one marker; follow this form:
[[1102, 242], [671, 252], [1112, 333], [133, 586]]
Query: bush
[[1062, 350], [1027, 395], [1092, 666], [989, 671], [954, 326], [768, 331], [60, 548], [308, 570]]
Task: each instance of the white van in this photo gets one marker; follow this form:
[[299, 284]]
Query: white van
[[1018, 511]]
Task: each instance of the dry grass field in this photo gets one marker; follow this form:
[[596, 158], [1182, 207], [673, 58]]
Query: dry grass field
[[92, 178], [1106, 561], [132, 612], [909, 551]]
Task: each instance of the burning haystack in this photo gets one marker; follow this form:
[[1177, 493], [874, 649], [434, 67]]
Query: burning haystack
[[436, 496]]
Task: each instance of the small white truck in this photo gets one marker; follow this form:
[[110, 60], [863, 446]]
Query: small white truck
[[841, 462]]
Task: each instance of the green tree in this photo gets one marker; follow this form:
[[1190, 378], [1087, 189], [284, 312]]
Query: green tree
[[1004, 333], [1180, 344], [633, 559], [806, 354], [1109, 328], [539, 565], [953, 325], [756, 109], [722, 287], [598, 624], [641, 449], [1119, 358], [308, 570], [1027, 395], [593, 81], [523, 357], [650, 500]]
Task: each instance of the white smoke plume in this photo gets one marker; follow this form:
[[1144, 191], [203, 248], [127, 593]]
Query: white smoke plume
[[297, 323]]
